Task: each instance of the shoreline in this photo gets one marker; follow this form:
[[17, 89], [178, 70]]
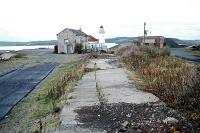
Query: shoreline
[[29, 57]]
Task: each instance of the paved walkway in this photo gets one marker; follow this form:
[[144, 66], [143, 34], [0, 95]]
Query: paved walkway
[[110, 86], [17, 84]]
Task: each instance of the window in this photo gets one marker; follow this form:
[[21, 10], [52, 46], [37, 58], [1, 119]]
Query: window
[[66, 41]]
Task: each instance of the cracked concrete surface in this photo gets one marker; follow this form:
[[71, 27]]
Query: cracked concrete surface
[[84, 94], [110, 86]]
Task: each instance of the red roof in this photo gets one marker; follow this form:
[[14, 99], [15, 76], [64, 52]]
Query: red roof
[[92, 39]]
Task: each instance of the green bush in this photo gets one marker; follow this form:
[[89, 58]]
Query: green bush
[[78, 48], [94, 55]]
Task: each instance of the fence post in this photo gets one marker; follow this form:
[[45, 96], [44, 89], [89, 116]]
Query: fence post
[[95, 67]]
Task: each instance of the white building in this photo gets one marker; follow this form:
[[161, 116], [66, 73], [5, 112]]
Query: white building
[[102, 45]]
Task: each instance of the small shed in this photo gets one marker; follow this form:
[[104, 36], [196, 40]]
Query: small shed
[[69, 38], [157, 41]]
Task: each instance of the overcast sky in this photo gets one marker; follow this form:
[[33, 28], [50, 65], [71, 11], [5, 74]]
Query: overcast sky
[[26, 20]]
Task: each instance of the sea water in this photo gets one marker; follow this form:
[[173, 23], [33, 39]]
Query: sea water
[[17, 48]]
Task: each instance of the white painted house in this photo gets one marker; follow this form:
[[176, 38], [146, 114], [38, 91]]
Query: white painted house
[[69, 38]]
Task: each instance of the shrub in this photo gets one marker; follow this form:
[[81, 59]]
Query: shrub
[[170, 79], [94, 55], [78, 48]]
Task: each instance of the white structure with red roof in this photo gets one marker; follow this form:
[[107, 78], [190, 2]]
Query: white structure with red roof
[[92, 43]]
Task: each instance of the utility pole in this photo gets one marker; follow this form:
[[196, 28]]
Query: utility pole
[[144, 31]]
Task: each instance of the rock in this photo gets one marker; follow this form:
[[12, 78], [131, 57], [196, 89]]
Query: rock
[[139, 131], [125, 124], [153, 115], [158, 121], [159, 103], [124, 127], [6, 56], [170, 120], [128, 115], [122, 130]]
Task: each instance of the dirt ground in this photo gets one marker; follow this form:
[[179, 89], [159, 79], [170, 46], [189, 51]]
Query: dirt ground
[[133, 118]]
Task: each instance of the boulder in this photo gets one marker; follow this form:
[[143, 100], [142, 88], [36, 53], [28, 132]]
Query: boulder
[[6, 56]]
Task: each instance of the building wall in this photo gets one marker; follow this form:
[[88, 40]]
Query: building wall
[[158, 40], [101, 38], [101, 35], [162, 41], [65, 35], [84, 41], [72, 40]]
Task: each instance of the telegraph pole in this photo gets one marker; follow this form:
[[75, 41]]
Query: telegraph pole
[[144, 31]]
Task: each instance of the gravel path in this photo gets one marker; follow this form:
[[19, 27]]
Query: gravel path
[[17, 84]]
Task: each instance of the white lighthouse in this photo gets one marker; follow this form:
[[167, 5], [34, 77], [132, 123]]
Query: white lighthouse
[[101, 37]]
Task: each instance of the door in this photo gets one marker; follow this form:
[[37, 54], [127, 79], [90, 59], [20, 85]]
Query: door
[[69, 49]]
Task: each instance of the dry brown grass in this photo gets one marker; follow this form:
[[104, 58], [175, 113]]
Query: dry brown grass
[[175, 81]]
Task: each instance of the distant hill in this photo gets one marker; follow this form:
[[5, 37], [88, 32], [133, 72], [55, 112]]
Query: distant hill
[[121, 40], [191, 42], [186, 42], [118, 40], [12, 43], [178, 41], [170, 42], [49, 42]]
